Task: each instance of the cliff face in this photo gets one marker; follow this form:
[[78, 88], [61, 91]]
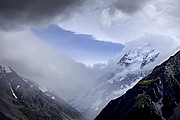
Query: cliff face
[[153, 98], [22, 99]]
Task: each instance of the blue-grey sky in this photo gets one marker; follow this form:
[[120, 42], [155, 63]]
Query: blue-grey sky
[[82, 48]]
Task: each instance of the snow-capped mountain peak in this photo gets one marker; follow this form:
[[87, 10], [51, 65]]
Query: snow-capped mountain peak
[[118, 80], [138, 57]]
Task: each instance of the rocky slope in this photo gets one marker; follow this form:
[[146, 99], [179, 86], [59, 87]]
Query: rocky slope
[[21, 99], [155, 97]]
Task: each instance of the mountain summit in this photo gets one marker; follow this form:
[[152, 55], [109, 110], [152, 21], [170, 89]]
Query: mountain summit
[[138, 57], [155, 97]]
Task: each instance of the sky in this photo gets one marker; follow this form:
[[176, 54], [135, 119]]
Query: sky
[[82, 48], [41, 39]]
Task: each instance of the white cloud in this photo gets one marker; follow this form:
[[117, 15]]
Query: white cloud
[[109, 20], [109, 23]]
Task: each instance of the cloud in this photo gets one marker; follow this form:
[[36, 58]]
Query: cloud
[[36, 60], [129, 6], [108, 21], [17, 14]]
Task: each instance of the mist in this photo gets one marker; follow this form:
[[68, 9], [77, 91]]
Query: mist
[[32, 58]]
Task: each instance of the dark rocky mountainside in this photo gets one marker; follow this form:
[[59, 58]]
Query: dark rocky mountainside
[[155, 97], [21, 99]]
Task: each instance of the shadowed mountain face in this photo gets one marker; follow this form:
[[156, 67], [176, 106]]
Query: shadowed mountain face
[[153, 98], [21, 99]]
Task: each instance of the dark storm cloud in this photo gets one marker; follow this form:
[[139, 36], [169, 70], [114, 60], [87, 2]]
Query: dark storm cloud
[[129, 6], [19, 13]]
